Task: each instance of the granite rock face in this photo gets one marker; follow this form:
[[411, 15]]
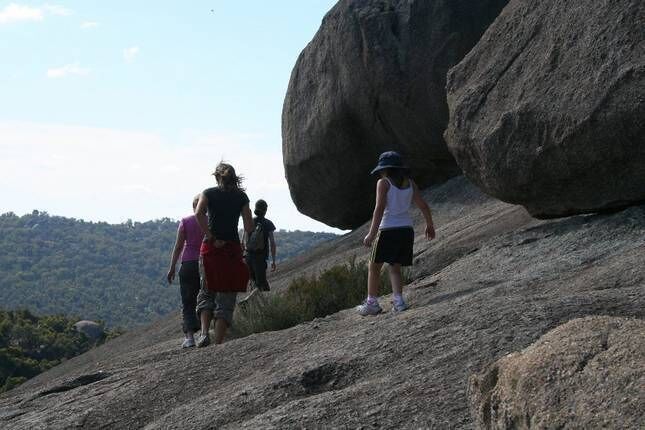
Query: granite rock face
[[587, 373], [373, 79], [548, 109], [474, 299]]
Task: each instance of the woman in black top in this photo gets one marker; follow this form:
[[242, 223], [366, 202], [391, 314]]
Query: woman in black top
[[218, 212]]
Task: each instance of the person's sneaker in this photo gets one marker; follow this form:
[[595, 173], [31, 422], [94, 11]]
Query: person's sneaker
[[368, 308], [399, 307], [188, 342], [203, 340]]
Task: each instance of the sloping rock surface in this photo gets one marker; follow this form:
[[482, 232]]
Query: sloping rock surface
[[588, 373], [494, 281], [548, 109], [373, 79]]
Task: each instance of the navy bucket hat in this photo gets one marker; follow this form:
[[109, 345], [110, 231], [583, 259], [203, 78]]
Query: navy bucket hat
[[389, 160]]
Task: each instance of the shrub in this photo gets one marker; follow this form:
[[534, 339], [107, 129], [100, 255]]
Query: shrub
[[30, 344], [306, 298]]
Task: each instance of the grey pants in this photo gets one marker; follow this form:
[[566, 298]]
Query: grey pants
[[221, 305], [189, 288]]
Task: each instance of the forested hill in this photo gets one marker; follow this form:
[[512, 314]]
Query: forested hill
[[99, 271]]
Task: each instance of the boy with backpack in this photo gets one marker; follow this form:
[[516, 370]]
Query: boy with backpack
[[258, 243]]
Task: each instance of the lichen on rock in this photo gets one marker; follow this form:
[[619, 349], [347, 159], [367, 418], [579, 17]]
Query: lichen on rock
[[587, 373]]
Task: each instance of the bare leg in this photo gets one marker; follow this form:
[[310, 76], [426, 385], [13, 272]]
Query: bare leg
[[220, 330], [396, 279], [373, 278], [206, 317]]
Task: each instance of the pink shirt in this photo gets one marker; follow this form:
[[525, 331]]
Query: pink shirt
[[194, 235]]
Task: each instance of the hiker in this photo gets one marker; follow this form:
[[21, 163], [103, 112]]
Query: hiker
[[257, 247], [187, 244], [222, 267], [391, 233]]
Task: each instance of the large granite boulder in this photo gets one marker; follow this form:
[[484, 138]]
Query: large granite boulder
[[93, 330], [588, 373], [548, 110], [371, 80]]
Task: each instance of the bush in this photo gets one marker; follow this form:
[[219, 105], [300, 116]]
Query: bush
[[30, 344], [307, 297]]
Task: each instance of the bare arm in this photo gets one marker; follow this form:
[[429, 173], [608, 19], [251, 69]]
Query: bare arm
[[382, 187], [273, 249], [179, 244], [247, 219], [425, 210], [200, 215]]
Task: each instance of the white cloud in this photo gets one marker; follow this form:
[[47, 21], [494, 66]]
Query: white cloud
[[112, 175], [57, 10], [129, 54], [87, 25], [67, 70], [16, 13]]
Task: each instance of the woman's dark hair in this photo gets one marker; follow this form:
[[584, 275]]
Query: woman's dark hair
[[226, 177], [398, 176]]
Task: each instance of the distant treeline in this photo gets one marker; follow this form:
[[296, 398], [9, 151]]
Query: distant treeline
[[99, 271], [30, 345]]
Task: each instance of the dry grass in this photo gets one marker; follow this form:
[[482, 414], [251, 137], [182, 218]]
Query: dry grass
[[306, 298]]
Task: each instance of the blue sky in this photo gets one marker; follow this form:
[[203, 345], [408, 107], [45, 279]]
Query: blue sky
[[112, 110]]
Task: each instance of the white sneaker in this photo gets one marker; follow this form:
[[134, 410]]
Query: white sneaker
[[188, 342], [399, 307], [369, 308]]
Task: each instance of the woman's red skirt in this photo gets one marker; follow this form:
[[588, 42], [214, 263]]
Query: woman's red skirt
[[224, 267]]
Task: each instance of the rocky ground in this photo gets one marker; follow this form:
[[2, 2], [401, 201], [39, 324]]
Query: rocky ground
[[493, 282]]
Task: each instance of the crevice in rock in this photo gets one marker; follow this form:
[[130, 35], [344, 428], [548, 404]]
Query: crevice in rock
[[7, 416], [485, 386], [76, 383], [328, 377], [457, 294]]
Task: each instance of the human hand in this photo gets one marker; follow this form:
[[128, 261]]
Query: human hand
[[367, 241], [273, 266], [171, 275], [430, 233]]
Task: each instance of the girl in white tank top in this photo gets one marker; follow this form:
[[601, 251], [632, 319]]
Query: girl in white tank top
[[391, 233], [397, 207]]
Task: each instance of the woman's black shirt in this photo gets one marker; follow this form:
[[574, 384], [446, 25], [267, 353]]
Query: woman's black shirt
[[224, 209]]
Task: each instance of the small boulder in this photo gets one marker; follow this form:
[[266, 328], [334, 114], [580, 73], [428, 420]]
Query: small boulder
[[587, 373], [94, 331], [371, 80], [548, 109]]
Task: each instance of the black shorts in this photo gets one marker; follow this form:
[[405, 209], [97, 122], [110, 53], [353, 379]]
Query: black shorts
[[393, 246]]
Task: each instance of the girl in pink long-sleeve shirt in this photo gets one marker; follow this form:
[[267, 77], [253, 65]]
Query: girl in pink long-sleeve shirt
[[189, 240]]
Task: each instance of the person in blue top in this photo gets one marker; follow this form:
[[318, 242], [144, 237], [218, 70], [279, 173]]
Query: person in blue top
[[391, 233]]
